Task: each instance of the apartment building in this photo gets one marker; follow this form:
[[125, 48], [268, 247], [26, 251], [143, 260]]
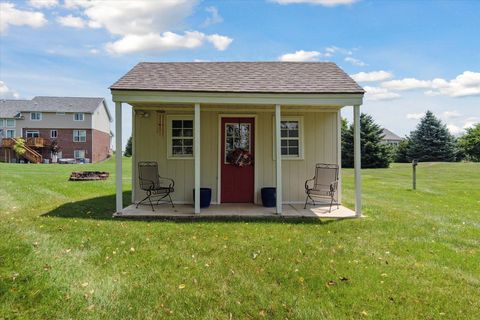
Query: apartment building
[[79, 126]]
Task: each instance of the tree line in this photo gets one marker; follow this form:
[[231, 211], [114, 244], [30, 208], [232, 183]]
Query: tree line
[[430, 141]]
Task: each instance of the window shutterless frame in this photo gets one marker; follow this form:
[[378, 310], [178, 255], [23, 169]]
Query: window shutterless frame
[[290, 142], [10, 133], [78, 116], [79, 135], [180, 135], [53, 133], [35, 116], [10, 123]]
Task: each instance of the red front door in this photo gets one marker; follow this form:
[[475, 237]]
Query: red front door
[[237, 179]]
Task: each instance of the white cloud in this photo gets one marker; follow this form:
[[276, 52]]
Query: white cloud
[[43, 3], [10, 16], [451, 114], [219, 42], [71, 21], [93, 51], [300, 55], [165, 41], [465, 84], [470, 122], [372, 76], [355, 62], [145, 25], [6, 92], [406, 84], [214, 18], [334, 49], [415, 116], [326, 3], [376, 94], [455, 130]]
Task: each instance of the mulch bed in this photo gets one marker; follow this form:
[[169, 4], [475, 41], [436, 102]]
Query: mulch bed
[[88, 175]]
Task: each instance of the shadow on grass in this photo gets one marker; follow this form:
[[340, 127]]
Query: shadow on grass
[[102, 208]]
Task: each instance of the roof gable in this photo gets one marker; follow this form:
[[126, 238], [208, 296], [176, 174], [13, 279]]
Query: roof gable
[[241, 77]]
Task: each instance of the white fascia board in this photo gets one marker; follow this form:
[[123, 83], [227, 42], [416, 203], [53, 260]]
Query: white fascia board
[[327, 99]]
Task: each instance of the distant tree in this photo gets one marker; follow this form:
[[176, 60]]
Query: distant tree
[[374, 153], [431, 141], [469, 143], [128, 148], [402, 151], [19, 147]]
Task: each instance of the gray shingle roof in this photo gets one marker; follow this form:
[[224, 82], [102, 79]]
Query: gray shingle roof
[[259, 77], [65, 104], [9, 108], [389, 135]]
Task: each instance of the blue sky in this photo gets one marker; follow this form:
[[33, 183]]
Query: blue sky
[[410, 55]]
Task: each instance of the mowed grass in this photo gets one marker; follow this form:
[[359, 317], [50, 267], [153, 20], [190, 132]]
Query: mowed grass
[[416, 255]]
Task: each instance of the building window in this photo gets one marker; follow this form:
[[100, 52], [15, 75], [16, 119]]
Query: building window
[[10, 123], [36, 116], [291, 142], [53, 134], [1, 123], [79, 135], [78, 116], [32, 134], [79, 154], [180, 137], [10, 133]]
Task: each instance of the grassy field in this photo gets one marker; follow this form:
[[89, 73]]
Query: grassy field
[[415, 256]]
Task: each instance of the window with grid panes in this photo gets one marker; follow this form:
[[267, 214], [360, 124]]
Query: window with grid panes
[[181, 138]]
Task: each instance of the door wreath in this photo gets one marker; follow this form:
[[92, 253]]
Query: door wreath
[[240, 158]]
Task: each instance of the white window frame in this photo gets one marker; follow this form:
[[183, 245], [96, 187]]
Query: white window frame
[[79, 113], [79, 136], [2, 123], [51, 133], [75, 154], [39, 116], [301, 143], [170, 119], [32, 131], [8, 126], [10, 130]]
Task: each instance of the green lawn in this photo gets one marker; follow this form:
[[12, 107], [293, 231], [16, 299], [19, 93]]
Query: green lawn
[[415, 256]]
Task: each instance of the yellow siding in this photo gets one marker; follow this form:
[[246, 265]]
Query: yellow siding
[[320, 145]]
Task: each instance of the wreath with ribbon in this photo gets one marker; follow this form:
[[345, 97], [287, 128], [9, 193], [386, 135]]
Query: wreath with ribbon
[[240, 157]]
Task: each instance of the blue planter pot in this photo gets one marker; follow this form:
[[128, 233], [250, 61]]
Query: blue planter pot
[[269, 197], [205, 197]]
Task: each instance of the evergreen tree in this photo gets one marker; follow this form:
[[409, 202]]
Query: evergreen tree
[[401, 153], [128, 148], [470, 143], [431, 141], [374, 153]]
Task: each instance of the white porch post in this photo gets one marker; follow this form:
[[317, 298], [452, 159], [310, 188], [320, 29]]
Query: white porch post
[[196, 152], [134, 161], [118, 156], [357, 160], [278, 158], [339, 155]]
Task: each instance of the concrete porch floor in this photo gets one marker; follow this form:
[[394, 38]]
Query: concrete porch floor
[[237, 210]]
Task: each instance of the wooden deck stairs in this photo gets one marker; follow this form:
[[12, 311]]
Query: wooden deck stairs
[[30, 154]]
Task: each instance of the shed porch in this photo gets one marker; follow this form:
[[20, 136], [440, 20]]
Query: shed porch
[[236, 210]]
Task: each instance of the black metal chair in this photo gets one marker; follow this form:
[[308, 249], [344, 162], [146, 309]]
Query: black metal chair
[[325, 184], [156, 187]]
